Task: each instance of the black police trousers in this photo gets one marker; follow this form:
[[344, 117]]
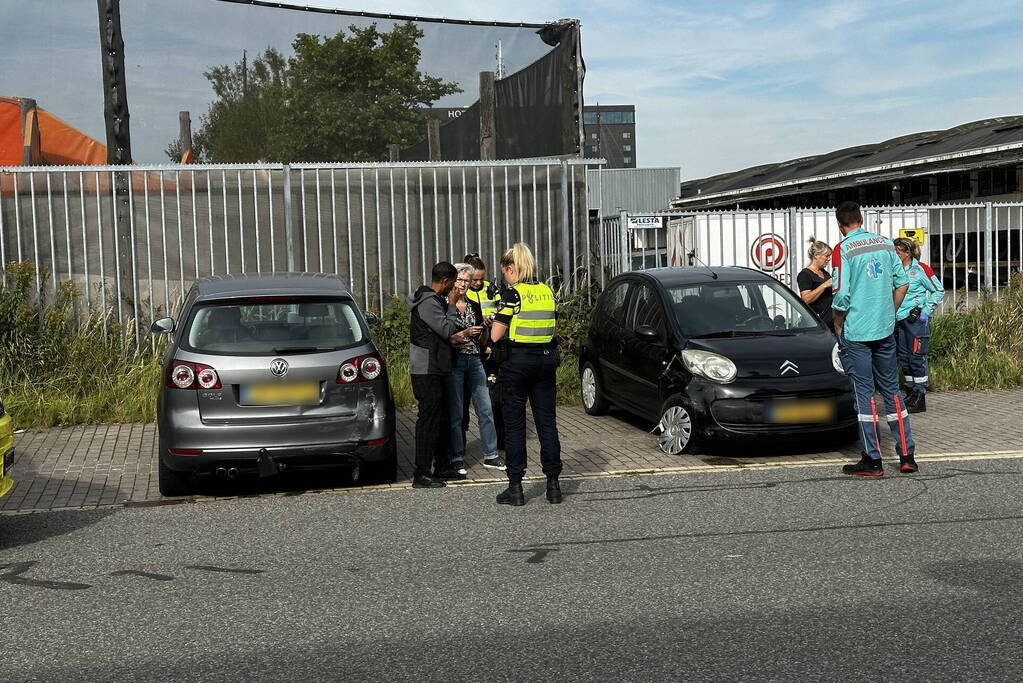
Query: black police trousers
[[530, 375]]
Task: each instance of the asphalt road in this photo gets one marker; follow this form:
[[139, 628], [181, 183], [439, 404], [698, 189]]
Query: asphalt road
[[767, 574]]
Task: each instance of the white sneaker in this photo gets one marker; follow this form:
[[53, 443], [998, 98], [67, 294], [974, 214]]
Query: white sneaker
[[460, 467]]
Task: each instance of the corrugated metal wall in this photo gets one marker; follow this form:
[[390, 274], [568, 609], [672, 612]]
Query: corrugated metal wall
[[631, 189]]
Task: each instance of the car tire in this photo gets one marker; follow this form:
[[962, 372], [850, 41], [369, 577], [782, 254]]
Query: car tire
[[172, 482], [676, 428], [381, 471], [593, 399]]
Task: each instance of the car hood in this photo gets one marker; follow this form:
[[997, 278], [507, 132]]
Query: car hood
[[763, 356]]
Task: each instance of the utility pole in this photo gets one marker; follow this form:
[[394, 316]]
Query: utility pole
[[115, 113]]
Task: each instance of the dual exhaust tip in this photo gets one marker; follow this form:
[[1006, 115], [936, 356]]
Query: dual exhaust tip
[[226, 472]]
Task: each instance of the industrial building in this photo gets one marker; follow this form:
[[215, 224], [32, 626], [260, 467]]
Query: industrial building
[[978, 161]]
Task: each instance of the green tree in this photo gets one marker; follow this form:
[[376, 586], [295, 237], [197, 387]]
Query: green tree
[[339, 98]]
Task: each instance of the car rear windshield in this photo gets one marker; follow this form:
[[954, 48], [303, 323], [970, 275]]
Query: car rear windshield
[[736, 308], [273, 326]]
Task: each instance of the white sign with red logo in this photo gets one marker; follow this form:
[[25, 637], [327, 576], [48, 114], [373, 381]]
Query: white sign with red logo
[[769, 252]]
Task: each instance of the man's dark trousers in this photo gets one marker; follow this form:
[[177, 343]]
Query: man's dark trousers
[[433, 425]]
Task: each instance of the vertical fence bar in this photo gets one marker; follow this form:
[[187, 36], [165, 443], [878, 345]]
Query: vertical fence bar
[[422, 225], [479, 220], [493, 218], [989, 237], [149, 253], [380, 260], [507, 210], [394, 237], [270, 212], [227, 239], [134, 261], [348, 227], [550, 222], [408, 227], [436, 219], [102, 268], [53, 242], [319, 220], [289, 226], [536, 218], [35, 230], [362, 225], [181, 245], [333, 217], [195, 224], [209, 220], [85, 241], [163, 239], [116, 222], [451, 221], [67, 228], [465, 215], [255, 219]]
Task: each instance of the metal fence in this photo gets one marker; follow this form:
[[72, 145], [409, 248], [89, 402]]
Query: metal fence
[[971, 247], [133, 240]]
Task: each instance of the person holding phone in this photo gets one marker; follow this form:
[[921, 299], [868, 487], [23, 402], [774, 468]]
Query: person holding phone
[[468, 379]]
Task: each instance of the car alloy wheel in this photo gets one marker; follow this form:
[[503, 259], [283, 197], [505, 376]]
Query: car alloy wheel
[[594, 402], [676, 430], [589, 383]]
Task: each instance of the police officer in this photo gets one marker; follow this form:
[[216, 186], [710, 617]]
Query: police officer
[[486, 295], [524, 331]]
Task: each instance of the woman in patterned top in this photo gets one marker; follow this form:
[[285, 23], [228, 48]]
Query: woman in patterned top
[[468, 373]]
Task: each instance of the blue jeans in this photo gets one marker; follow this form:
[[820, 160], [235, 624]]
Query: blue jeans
[[912, 340], [468, 371], [530, 375], [871, 364]]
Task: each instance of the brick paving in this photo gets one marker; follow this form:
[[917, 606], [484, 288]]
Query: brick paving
[[102, 465]]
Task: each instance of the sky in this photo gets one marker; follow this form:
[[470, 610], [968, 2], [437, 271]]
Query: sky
[[718, 85]]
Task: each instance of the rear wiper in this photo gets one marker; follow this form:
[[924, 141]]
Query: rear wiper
[[304, 349]]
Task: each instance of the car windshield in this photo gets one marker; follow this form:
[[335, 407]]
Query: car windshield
[[274, 326], [732, 309]]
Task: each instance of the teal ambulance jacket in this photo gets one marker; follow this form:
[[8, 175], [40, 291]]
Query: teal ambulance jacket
[[866, 269]]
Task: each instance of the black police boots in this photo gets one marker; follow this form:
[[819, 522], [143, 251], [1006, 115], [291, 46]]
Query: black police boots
[[866, 467], [553, 491], [916, 402], [512, 495]]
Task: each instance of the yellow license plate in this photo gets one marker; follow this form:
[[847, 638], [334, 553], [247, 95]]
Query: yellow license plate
[[291, 393], [790, 412]]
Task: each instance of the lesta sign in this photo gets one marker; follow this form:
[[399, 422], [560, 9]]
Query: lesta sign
[[768, 252]]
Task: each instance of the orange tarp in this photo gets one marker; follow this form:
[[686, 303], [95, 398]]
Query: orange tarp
[[60, 144]]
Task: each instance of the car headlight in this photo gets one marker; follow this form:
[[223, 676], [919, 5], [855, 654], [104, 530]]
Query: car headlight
[[713, 366], [836, 359]]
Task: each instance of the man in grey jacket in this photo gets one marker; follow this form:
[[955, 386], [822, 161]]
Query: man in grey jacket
[[433, 334]]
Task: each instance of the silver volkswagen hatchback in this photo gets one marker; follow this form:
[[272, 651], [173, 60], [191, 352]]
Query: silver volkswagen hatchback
[[272, 372]]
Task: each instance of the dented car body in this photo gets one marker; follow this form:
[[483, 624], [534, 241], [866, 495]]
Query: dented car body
[[272, 372]]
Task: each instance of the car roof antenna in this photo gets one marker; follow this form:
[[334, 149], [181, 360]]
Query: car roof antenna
[[692, 255]]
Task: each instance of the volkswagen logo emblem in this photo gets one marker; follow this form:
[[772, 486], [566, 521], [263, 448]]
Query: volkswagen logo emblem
[[789, 366], [278, 367]]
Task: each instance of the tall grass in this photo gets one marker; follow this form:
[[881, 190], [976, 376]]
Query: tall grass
[[57, 368], [980, 347]]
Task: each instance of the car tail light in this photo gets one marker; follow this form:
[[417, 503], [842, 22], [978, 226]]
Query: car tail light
[[361, 369], [184, 375], [206, 377]]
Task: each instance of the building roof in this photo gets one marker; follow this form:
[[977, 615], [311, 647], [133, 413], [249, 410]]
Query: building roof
[[971, 145], [270, 284]]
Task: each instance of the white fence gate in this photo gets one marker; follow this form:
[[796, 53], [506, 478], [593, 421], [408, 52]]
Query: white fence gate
[[971, 247]]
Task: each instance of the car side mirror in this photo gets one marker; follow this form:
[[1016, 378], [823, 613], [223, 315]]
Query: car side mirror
[[162, 326], [372, 318], [648, 333]]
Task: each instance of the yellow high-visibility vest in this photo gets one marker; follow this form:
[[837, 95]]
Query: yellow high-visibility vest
[[534, 318], [487, 303]]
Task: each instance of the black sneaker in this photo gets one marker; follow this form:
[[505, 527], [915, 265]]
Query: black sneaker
[[450, 472], [427, 483], [907, 465], [866, 467], [495, 463], [459, 466]]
